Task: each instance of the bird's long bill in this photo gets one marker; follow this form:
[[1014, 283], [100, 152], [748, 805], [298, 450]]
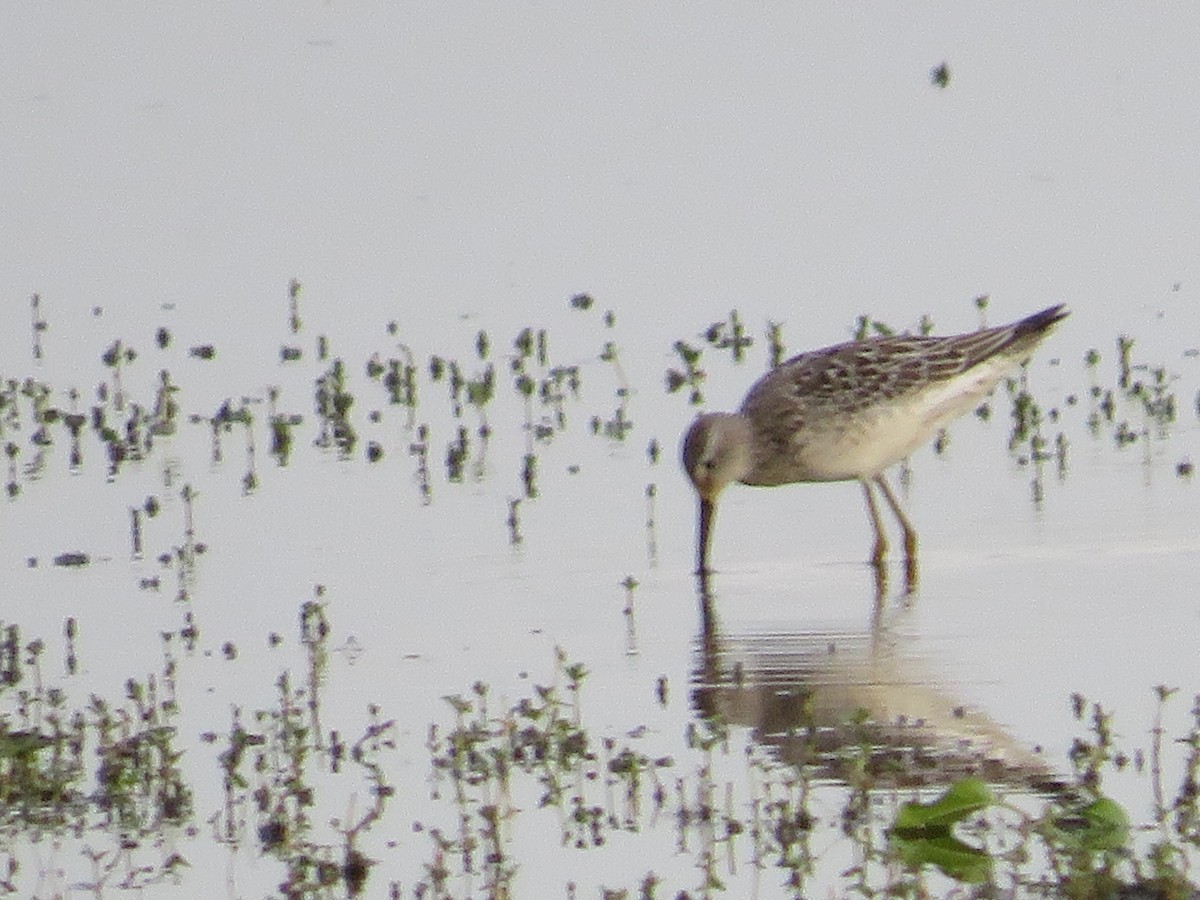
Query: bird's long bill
[[708, 511]]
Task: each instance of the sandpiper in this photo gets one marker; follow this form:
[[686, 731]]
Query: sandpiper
[[850, 411]]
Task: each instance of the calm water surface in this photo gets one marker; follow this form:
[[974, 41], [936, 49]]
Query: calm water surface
[[1021, 602], [458, 171]]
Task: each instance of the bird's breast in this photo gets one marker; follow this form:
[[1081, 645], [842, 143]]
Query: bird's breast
[[842, 448]]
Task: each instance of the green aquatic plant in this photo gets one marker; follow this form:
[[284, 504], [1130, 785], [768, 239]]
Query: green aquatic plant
[[730, 335], [294, 321], [1073, 841], [108, 771], [333, 405], [922, 833], [401, 383], [692, 375], [939, 76], [775, 347], [419, 449], [1124, 360], [205, 352], [37, 325], [114, 358], [277, 762], [165, 412], [866, 327], [529, 475], [514, 521]]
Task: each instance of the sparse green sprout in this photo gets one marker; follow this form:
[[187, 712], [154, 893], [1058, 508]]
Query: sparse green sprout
[[38, 324], [456, 456], [281, 437], [523, 343], [294, 289], [481, 390], [514, 522], [729, 335], [1124, 354], [529, 475], [689, 354], [692, 375], [202, 351], [775, 343]]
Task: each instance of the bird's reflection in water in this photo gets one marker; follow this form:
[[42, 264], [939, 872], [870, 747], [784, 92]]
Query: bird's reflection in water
[[813, 695]]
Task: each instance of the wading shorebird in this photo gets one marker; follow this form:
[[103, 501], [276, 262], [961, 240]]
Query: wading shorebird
[[848, 412]]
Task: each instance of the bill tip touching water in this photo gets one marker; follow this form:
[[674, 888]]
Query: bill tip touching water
[[848, 412]]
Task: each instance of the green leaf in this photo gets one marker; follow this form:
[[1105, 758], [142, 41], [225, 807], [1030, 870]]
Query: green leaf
[[15, 744], [1102, 825], [954, 858], [961, 800]]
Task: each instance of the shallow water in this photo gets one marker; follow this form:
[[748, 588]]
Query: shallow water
[[459, 175], [1019, 603]]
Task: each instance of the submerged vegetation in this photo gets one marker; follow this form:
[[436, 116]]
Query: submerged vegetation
[[34, 418], [108, 775], [126, 787]]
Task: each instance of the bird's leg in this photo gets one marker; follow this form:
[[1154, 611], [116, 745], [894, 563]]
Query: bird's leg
[[881, 586], [880, 551], [910, 533]]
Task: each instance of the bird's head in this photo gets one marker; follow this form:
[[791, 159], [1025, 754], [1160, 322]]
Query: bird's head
[[716, 451]]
